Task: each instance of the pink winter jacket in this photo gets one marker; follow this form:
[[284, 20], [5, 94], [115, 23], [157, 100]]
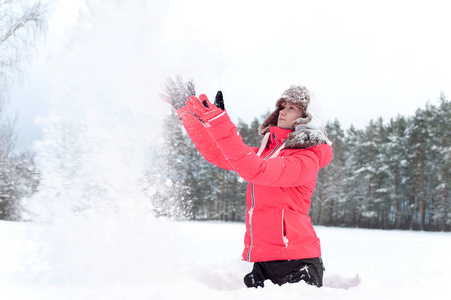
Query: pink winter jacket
[[279, 188]]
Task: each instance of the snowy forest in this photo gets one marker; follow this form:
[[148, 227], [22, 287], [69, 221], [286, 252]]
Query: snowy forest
[[393, 175]]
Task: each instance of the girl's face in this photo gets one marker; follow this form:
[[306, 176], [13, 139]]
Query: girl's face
[[288, 114]]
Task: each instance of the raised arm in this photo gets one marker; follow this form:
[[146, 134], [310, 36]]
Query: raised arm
[[294, 170], [177, 93]]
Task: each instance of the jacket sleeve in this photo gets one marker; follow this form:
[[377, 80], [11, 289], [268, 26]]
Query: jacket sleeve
[[294, 170], [204, 142]]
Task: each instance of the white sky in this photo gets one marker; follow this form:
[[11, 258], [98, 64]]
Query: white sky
[[364, 58]]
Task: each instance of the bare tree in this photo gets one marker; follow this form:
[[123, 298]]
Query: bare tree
[[20, 22]]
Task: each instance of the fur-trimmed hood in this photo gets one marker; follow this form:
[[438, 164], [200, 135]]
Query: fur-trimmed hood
[[306, 131]]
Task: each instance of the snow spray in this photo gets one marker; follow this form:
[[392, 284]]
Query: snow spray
[[104, 122]]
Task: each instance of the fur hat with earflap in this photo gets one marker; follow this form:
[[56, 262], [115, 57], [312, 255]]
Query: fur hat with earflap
[[307, 131]]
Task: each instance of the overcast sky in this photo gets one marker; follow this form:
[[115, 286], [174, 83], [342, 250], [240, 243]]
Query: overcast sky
[[365, 59]]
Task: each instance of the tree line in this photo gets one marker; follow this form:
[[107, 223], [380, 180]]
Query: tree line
[[389, 175]]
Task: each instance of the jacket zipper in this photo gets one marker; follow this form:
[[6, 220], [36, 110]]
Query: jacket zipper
[[251, 211]]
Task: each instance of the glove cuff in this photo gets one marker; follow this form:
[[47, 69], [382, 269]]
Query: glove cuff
[[189, 109], [182, 111], [222, 117]]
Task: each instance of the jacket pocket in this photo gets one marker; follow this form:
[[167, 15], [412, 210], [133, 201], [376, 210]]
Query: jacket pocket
[[268, 227], [284, 230], [298, 228]]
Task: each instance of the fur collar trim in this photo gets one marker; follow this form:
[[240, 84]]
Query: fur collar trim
[[304, 138]]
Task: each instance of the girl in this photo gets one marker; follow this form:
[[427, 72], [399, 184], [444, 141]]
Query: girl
[[281, 175]]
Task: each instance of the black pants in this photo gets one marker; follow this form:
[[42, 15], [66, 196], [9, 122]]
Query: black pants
[[286, 271]]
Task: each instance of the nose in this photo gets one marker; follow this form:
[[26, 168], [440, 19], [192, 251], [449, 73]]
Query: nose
[[283, 112]]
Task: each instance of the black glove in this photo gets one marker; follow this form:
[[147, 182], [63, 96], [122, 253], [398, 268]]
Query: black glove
[[219, 100], [178, 92]]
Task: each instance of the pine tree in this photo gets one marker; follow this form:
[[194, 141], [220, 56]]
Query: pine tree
[[383, 174], [329, 199], [419, 136], [197, 171], [396, 159], [169, 177], [354, 186], [441, 143], [363, 168]]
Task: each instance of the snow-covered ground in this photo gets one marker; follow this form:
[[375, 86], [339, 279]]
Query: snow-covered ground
[[147, 258]]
